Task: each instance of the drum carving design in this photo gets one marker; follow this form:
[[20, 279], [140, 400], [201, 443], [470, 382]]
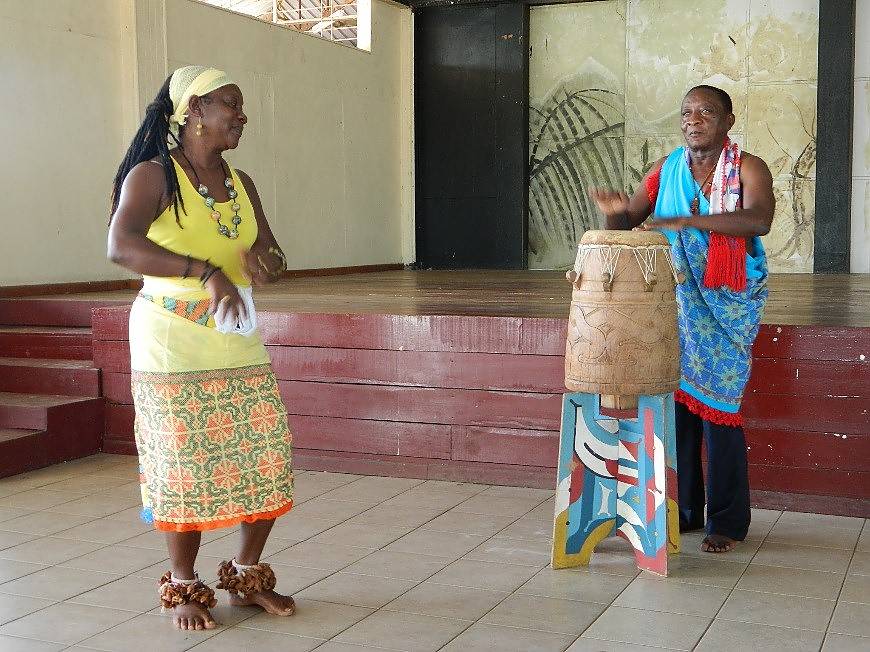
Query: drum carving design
[[622, 329]]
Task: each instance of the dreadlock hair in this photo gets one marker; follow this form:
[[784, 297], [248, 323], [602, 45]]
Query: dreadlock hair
[[152, 140], [724, 97]]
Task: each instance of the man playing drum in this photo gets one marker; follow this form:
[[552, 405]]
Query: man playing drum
[[712, 201]]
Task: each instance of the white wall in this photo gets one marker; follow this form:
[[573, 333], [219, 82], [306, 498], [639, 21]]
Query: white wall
[[861, 143], [327, 143], [60, 89]]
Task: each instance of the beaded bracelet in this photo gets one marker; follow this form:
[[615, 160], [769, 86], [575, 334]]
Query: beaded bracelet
[[207, 273], [275, 251]]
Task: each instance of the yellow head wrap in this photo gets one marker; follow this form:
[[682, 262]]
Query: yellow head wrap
[[187, 82]]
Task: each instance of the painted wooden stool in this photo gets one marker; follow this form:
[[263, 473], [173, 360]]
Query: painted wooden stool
[[616, 477], [617, 474]]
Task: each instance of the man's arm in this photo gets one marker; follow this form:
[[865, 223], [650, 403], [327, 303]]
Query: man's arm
[[753, 219], [620, 211]]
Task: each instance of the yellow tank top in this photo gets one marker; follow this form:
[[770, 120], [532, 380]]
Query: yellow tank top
[[198, 237]]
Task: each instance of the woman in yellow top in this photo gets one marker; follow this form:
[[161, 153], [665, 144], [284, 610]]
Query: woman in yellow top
[[211, 430]]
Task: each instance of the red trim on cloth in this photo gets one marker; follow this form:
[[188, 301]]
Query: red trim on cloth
[[164, 526], [726, 262], [651, 183], [708, 413]]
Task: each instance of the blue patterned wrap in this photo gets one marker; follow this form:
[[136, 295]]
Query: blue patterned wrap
[[717, 325]]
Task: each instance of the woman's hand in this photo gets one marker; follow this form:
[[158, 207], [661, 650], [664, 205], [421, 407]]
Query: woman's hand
[[262, 266], [256, 273], [609, 202], [265, 266], [225, 299]]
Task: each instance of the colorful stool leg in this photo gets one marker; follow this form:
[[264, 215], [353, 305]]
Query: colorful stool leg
[[586, 490], [616, 477]]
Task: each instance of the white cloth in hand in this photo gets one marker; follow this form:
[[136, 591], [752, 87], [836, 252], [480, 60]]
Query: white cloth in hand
[[247, 322]]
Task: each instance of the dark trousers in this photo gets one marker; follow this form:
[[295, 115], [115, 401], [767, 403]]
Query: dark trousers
[[727, 495]]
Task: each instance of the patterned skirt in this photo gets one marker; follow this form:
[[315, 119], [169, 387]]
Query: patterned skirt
[[214, 445]]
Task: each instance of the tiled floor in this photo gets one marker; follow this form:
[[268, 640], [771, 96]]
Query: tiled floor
[[397, 564]]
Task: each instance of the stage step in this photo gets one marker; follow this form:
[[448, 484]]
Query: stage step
[[49, 376], [46, 342], [16, 446], [51, 408], [54, 311], [37, 430], [13, 434], [39, 410]]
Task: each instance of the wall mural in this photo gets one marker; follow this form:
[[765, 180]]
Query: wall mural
[[576, 140], [795, 205]]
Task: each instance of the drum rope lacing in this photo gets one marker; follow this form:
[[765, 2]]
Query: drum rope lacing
[[645, 255], [646, 260], [582, 253], [610, 259]]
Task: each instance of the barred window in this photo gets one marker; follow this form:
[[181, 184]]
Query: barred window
[[343, 21]]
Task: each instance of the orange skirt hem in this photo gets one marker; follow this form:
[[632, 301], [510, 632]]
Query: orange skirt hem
[[165, 526]]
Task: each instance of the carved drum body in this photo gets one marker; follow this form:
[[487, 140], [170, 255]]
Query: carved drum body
[[622, 329]]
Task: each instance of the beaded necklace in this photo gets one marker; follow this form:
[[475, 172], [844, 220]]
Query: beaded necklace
[[694, 207], [229, 232]]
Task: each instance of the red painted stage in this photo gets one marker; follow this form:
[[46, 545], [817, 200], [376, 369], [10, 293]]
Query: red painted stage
[[458, 375]]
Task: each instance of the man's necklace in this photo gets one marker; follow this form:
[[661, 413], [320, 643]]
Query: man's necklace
[[695, 206]]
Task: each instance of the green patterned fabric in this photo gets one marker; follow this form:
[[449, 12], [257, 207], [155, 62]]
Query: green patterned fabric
[[214, 447]]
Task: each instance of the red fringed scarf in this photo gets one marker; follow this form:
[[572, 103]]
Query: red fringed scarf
[[726, 262], [726, 255]]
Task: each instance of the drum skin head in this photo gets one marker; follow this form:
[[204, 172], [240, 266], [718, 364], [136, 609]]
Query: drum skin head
[[629, 238]]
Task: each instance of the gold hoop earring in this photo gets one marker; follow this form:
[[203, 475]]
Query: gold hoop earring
[[199, 128]]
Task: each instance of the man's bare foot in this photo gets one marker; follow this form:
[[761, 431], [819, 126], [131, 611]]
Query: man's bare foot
[[718, 543], [273, 603], [192, 616]]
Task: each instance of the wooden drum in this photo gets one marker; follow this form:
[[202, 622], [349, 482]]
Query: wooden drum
[[622, 328]]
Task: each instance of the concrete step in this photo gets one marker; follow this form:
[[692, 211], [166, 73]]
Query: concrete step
[[12, 434], [49, 376], [37, 430], [46, 342], [64, 310], [34, 410], [17, 445]]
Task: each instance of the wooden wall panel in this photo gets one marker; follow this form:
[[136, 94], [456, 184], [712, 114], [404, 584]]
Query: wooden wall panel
[[424, 405], [478, 398]]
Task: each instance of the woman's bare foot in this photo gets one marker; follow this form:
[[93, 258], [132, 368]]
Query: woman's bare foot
[[718, 543], [192, 616], [273, 603]]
